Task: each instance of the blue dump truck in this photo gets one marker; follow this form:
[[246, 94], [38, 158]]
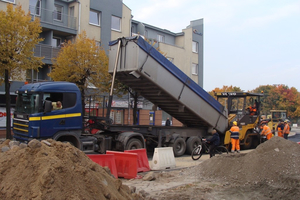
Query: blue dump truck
[[138, 65]]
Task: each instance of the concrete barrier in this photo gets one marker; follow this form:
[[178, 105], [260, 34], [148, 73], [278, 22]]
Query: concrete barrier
[[126, 164], [105, 160], [163, 158], [142, 159]]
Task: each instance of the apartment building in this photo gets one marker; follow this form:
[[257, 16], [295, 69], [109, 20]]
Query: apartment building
[[184, 49], [106, 20], [62, 20]]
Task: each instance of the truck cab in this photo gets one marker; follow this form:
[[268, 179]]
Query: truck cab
[[35, 119]]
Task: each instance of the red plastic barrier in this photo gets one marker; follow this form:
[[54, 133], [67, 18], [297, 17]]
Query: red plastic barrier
[[142, 159], [105, 160], [126, 164]]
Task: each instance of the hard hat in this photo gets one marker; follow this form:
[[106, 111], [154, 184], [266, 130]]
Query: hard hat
[[234, 123]]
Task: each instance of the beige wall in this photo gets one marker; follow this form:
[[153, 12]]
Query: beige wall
[[182, 54], [125, 24], [179, 41], [92, 31], [23, 3]]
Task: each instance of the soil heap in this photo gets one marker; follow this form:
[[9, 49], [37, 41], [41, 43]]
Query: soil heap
[[272, 169], [55, 170]]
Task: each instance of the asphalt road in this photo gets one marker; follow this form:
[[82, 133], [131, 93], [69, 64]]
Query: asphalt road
[[295, 137]]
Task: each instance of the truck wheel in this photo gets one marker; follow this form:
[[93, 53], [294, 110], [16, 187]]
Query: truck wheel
[[134, 144], [68, 142], [247, 141], [191, 144], [179, 147]]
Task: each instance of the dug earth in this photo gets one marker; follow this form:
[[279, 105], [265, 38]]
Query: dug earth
[[54, 170], [271, 171]]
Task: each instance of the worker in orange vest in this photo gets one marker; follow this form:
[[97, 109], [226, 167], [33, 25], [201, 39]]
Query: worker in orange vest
[[280, 128], [235, 141], [266, 131], [286, 130], [252, 109]]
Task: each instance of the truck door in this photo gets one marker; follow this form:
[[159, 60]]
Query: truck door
[[66, 118]]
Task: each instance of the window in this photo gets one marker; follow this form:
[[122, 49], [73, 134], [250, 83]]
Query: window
[[67, 99], [11, 1], [35, 7], [194, 69], [56, 42], [58, 12], [98, 43], [195, 47], [94, 18], [28, 103], [161, 38], [72, 11], [115, 23]]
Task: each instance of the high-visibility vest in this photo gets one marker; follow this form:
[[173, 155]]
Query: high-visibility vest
[[252, 111], [286, 129], [235, 132], [267, 132]]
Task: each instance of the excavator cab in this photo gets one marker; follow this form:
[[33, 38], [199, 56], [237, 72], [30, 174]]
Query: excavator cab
[[243, 107]]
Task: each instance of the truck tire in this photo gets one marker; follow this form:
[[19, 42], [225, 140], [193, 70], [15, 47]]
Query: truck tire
[[179, 147], [134, 143], [247, 141], [191, 144]]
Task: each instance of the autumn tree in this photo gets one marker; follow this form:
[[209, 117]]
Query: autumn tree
[[18, 37], [280, 97], [225, 88], [84, 63]]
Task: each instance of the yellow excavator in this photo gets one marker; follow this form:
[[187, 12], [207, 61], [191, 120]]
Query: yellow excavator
[[238, 106]]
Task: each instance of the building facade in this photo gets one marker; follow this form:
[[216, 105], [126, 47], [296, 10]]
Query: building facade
[[184, 49], [106, 20]]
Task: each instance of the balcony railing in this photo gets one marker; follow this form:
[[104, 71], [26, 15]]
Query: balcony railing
[[46, 51], [54, 17]]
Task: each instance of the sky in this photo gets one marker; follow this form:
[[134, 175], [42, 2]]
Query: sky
[[247, 43]]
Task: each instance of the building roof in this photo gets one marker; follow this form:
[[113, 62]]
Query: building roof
[[158, 29]]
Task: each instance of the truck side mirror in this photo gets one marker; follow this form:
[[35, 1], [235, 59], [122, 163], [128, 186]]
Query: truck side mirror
[[47, 106]]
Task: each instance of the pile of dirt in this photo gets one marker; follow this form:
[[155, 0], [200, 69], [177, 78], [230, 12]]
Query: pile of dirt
[[272, 169], [55, 170]]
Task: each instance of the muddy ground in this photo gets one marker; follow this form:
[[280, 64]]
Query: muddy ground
[[271, 171], [54, 170]]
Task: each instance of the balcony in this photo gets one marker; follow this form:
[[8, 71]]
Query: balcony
[[46, 51], [55, 20]]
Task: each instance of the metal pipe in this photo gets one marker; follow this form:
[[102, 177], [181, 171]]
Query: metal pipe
[[115, 69], [112, 85]]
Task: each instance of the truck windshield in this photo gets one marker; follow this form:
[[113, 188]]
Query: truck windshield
[[27, 103]]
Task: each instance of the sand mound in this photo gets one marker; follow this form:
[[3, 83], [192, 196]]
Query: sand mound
[[55, 171], [270, 161], [272, 166]]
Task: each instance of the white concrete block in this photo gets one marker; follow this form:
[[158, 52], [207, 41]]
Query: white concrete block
[[163, 158]]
